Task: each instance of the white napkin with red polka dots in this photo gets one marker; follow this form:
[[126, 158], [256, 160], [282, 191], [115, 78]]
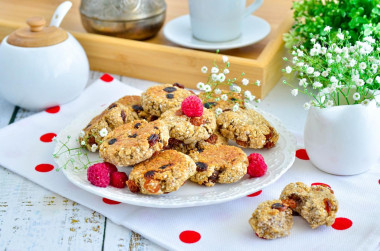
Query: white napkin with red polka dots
[[26, 149]]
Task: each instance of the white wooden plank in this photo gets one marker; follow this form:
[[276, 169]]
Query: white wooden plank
[[120, 238]]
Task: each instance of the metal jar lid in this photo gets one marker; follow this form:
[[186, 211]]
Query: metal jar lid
[[122, 10]]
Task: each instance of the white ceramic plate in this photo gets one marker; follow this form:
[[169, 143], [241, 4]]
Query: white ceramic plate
[[179, 31], [279, 159]]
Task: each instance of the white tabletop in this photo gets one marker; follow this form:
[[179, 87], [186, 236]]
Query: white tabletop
[[30, 214]]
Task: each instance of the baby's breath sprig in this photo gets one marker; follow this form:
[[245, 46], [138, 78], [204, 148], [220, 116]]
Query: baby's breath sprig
[[78, 158], [218, 79], [335, 72]]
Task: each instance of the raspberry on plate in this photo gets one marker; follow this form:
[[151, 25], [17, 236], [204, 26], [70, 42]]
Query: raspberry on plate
[[119, 179], [257, 166], [99, 175], [111, 167], [192, 106]]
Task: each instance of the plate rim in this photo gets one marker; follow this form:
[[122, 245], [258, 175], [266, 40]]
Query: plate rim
[[214, 45], [291, 143]]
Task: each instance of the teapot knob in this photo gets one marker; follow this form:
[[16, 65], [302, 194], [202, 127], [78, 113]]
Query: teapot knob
[[36, 23]]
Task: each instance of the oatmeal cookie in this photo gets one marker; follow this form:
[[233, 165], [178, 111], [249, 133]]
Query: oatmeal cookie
[[219, 164], [124, 110], [316, 204], [272, 219], [215, 139], [134, 142], [189, 129], [165, 172], [248, 128], [225, 105], [160, 98]]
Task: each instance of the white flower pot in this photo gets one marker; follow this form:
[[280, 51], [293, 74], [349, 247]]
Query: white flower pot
[[344, 140]]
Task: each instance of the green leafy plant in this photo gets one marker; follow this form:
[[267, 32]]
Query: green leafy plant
[[334, 71], [358, 17]]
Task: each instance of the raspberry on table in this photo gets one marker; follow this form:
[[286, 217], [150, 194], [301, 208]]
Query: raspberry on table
[[257, 166], [192, 106], [99, 175], [119, 179]]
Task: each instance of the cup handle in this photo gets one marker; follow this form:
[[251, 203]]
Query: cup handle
[[250, 9]]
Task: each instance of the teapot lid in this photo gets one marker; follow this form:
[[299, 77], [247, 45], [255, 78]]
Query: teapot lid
[[37, 34]]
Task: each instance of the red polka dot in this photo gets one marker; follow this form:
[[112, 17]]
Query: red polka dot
[[44, 168], [379, 181], [255, 194], [110, 202], [48, 137], [342, 223], [106, 78], [189, 236], [302, 154], [54, 109], [320, 184]]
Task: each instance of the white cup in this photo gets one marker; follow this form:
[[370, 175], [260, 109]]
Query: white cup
[[219, 20]]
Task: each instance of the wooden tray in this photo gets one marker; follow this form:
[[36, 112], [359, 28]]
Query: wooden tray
[[158, 59]]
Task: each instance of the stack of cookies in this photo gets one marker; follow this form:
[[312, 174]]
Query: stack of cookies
[[168, 136]]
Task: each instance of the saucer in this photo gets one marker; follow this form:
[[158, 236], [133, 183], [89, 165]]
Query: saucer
[[179, 31]]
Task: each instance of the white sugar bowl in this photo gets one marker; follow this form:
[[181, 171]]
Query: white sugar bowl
[[41, 66]]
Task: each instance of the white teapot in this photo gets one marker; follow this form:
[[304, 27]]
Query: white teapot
[[41, 66]]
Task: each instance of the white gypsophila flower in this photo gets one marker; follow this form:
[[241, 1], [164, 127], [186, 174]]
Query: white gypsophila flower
[[310, 70], [294, 92], [94, 147], [217, 91], [252, 98], [214, 77], [235, 108], [323, 50], [218, 111], [365, 102], [225, 59], [378, 79], [221, 77], [83, 143], [217, 99], [294, 53], [245, 81], [81, 134], [295, 60], [369, 81], [329, 103], [317, 74], [360, 82], [226, 71], [340, 36], [207, 88], [247, 94], [258, 100], [224, 97], [103, 132], [333, 79], [201, 86], [325, 74], [356, 96], [313, 52], [338, 59], [302, 82], [333, 87], [362, 65], [288, 69], [329, 55], [214, 70], [317, 84], [306, 106], [300, 64], [369, 39], [257, 83], [204, 69], [299, 53], [374, 66], [327, 29], [312, 40], [338, 50], [353, 62], [235, 88], [330, 61]]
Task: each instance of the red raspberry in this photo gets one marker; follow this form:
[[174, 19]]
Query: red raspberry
[[99, 175], [257, 166], [192, 106], [119, 179], [111, 167]]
